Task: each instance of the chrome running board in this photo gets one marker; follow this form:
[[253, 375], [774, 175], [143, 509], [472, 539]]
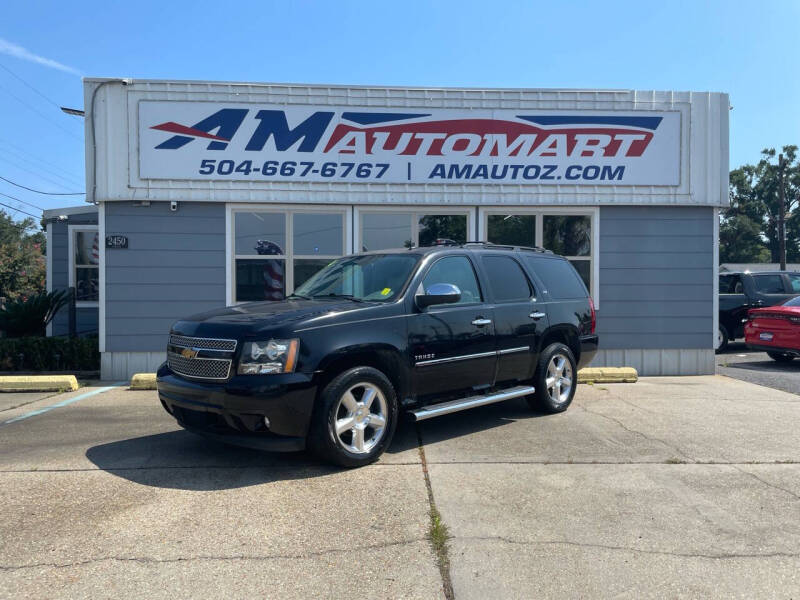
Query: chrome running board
[[445, 408]]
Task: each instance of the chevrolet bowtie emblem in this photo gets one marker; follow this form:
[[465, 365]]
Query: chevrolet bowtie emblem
[[189, 353]]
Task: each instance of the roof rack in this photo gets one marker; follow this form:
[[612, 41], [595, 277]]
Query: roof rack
[[508, 247], [449, 242]]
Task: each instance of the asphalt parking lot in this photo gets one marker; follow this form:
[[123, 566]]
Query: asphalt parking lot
[[676, 487], [739, 362]]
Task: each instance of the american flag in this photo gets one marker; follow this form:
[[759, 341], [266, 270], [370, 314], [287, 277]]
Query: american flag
[[273, 270]]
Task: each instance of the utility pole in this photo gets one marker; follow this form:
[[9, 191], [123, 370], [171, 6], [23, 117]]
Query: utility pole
[[781, 215]]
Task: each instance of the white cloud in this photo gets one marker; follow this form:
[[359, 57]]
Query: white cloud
[[16, 51]]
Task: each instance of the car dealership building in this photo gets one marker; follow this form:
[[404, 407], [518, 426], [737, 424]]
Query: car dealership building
[[217, 193]]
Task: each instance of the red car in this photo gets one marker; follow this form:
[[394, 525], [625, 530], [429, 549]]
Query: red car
[[775, 330]]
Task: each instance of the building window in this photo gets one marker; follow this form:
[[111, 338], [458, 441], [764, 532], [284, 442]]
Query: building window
[[84, 264], [569, 234], [276, 251], [381, 230]]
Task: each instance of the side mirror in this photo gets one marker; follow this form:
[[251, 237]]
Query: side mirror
[[439, 293]]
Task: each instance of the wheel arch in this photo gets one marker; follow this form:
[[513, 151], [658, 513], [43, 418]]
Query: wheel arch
[[567, 335], [383, 357]]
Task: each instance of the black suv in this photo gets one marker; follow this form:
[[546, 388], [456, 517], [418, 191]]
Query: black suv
[[428, 331], [741, 291]]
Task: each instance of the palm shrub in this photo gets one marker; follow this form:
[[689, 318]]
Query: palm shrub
[[30, 316]]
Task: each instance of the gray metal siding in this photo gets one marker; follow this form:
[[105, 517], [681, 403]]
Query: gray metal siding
[[656, 277], [86, 318], [174, 266]]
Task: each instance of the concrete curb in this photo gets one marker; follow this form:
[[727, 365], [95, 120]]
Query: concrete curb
[[608, 375], [143, 381], [38, 383]]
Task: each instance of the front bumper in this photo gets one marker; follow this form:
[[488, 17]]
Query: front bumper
[[589, 344], [234, 411]]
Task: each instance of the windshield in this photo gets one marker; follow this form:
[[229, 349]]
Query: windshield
[[372, 277], [793, 302]]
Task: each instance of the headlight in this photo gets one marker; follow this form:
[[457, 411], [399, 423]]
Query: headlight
[[274, 356]]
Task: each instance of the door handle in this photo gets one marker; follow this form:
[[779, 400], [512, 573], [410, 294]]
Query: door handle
[[536, 315], [480, 322]]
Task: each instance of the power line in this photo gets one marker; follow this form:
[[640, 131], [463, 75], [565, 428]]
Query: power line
[[20, 210], [48, 164], [23, 201], [45, 117], [28, 85], [41, 192], [5, 159], [36, 165]]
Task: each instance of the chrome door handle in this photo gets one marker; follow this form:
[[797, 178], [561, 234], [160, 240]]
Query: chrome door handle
[[537, 315], [480, 322]]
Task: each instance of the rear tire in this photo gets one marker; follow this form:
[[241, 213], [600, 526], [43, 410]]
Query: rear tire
[[555, 381], [722, 339], [780, 357], [355, 418]]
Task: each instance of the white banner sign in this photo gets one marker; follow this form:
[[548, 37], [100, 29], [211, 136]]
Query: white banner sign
[[258, 142]]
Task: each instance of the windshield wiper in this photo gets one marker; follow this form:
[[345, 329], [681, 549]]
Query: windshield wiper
[[347, 296], [298, 296]]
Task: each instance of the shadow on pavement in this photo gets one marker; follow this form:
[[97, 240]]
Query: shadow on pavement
[[182, 460], [767, 365], [476, 420]]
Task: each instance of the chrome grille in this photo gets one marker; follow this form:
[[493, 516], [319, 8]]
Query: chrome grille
[[202, 343], [199, 368]]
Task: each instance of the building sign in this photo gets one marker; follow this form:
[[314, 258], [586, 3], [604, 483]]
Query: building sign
[[257, 142]]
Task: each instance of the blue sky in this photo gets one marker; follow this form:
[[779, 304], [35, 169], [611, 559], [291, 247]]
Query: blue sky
[[747, 49]]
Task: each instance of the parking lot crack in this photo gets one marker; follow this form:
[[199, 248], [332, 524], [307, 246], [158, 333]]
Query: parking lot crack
[[438, 535], [767, 483], [702, 555], [211, 557], [639, 433]]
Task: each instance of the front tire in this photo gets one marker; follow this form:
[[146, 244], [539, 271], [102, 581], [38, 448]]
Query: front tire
[[555, 380], [781, 357], [355, 418]]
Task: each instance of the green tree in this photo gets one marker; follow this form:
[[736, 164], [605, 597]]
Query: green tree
[[22, 260], [749, 228]]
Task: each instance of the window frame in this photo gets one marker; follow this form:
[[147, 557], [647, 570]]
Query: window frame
[[555, 211], [289, 258], [531, 287], [459, 304], [415, 211], [72, 234]]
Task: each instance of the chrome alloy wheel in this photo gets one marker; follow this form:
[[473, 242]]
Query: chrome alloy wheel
[[559, 378], [360, 418]]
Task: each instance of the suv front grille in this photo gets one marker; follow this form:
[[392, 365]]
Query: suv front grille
[[202, 343], [199, 368], [188, 356]]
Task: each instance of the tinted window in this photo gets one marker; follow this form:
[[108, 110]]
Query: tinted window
[[730, 284], [794, 283], [507, 279], [769, 284], [458, 271], [559, 277]]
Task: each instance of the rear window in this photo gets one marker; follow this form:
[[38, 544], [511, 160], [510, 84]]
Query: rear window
[[559, 278], [769, 284], [794, 283], [507, 279]]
